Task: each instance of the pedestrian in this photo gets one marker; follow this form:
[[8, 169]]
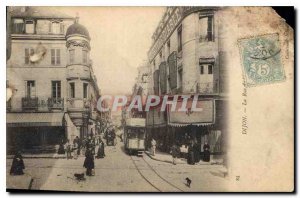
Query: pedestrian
[[101, 153], [17, 165], [69, 149], [197, 151], [61, 149], [206, 153], [89, 163], [74, 150], [175, 152], [79, 146], [153, 146], [191, 156]]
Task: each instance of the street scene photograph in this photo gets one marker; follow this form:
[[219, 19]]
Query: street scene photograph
[[144, 99]]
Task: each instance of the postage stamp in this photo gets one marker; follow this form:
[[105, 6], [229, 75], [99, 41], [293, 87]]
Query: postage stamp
[[261, 59]]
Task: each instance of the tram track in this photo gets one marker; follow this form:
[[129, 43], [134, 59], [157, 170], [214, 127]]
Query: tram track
[[151, 176]]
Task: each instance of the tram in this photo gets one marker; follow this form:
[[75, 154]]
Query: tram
[[134, 136]]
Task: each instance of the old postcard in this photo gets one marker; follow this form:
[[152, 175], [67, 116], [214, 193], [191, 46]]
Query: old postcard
[[149, 99]]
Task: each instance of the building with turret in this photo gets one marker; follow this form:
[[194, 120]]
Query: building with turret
[[50, 77]]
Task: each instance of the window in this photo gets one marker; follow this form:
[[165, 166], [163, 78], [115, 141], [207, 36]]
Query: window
[[85, 90], [206, 68], [206, 28], [179, 38], [72, 56], [29, 27], [28, 52], [56, 27], [30, 89], [55, 56], [169, 47], [201, 69], [180, 78], [84, 56], [210, 69], [72, 90], [56, 89], [18, 26]]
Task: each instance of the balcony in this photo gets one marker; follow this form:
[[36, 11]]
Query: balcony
[[79, 104], [30, 103], [56, 103], [207, 88]]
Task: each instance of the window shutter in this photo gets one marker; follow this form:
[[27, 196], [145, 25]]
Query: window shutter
[[57, 56], [52, 56], [156, 82], [163, 77], [50, 27], [172, 62]]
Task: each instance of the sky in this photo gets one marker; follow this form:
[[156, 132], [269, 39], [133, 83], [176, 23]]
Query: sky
[[120, 40]]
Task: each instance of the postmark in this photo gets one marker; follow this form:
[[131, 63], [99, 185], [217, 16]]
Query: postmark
[[261, 60]]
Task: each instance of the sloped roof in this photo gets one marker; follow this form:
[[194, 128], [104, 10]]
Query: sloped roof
[[38, 12]]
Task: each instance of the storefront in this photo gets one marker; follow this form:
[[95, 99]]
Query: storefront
[[38, 132]]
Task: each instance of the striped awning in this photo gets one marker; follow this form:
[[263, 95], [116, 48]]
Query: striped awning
[[34, 119]]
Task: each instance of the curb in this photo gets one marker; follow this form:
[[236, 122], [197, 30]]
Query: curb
[[167, 161]]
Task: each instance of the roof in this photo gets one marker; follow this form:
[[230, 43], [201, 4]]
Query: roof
[[41, 12], [34, 119], [77, 29]]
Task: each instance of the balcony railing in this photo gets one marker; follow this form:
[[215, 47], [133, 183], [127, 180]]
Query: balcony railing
[[30, 103], [56, 103], [207, 88]]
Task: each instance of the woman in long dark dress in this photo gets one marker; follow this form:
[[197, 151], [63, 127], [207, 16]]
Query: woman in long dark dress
[[101, 153], [89, 162], [17, 165], [191, 155], [197, 150], [206, 153]]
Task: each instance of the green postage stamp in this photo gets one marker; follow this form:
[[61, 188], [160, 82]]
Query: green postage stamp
[[261, 59]]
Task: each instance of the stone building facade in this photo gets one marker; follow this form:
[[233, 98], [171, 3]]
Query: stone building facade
[[50, 76], [187, 57]]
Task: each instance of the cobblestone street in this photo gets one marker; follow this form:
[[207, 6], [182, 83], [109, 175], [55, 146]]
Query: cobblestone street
[[117, 172]]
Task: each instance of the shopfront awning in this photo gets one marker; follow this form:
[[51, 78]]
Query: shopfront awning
[[189, 124], [34, 119]]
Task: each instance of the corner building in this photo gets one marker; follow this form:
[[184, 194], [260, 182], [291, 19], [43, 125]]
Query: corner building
[[51, 79], [187, 57]]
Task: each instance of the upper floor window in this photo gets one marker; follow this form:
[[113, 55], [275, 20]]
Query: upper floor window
[[85, 90], [84, 56], [206, 28], [179, 38], [29, 28], [56, 89], [18, 26], [56, 27], [30, 89], [55, 56], [72, 56], [72, 90], [28, 52], [206, 68]]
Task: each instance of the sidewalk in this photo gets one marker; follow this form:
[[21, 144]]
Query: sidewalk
[[43, 155], [165, 157], [23, 182]]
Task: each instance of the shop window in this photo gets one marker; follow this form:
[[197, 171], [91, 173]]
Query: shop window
[[18, 26]]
